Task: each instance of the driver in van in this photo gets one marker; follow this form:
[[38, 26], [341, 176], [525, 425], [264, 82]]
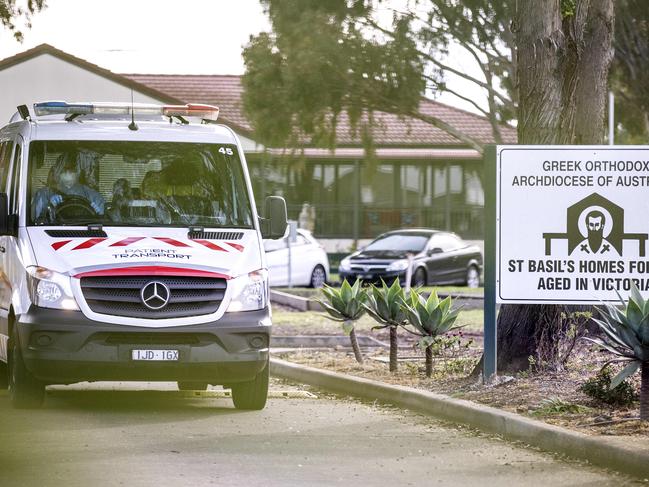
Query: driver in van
[[63, 181]]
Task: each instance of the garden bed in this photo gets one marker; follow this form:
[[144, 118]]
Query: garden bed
[[555, 398]]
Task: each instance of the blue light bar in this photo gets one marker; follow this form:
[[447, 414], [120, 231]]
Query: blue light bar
[[61, 108]]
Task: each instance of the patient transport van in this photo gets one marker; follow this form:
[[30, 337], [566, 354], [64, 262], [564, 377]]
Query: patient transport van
[[131, 249]]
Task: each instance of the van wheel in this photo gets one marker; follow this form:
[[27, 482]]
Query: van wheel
[[25, 391], [252, 395], [191, 386], [318, 277], [472, 277]]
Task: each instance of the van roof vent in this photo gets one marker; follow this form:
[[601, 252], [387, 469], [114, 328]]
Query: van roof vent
[[215, 235]]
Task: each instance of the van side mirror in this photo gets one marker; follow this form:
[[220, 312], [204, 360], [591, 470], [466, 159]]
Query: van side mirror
[[274, 225], [6, 223]]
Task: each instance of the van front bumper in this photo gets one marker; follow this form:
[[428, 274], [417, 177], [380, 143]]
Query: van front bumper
[[62, 347]]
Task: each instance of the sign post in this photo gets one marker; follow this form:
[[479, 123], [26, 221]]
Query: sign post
[[490, 314]]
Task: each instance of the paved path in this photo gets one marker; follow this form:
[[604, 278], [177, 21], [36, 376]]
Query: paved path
[[147, 438]]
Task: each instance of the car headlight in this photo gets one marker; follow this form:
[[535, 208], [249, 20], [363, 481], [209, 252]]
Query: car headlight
[[345, 265], [49, 289], [398, 265], [249, 292]]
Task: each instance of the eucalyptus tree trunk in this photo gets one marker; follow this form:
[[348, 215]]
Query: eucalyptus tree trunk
[[644, 391], [429, 361], [355, 347], [394, 344], [563, 67]]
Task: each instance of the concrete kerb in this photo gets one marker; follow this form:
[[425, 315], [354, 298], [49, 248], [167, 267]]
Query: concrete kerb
[[509, 425]]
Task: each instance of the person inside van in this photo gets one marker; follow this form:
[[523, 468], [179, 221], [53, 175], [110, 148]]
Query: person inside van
[[122, 196], [63, 184]]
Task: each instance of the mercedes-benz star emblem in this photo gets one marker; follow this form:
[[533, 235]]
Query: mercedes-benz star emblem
[[155, 295]]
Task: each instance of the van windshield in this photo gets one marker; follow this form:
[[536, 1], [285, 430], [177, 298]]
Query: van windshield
[[137, 184]]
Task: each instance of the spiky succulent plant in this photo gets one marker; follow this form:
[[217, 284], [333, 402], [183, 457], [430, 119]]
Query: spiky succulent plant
[[384, 304], [626, 335], [430, 318], [345, 304]]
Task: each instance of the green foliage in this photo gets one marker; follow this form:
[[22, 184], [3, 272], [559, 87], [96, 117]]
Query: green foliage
[[319, 63], [10, 13], [384, 304], [626, 333], [599, 388], [345, 303], [555, 405], [430, 317], [568, 8]]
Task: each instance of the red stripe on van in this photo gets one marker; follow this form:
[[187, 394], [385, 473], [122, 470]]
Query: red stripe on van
[[172, 241], [152, 271], [210, 245], [126, 241], [58, 245], [236, 246], [91, 242]]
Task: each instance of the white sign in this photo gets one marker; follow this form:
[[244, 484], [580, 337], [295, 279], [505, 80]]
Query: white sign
[[572, 223]]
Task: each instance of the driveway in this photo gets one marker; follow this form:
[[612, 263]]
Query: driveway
[[139, 434]]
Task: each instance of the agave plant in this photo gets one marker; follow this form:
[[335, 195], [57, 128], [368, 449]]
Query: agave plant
[[346, 305], [384, 304], [430, 318], [626, 335]]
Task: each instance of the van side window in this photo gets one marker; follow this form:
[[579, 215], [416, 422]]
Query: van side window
[[5, 159], [15, 181]]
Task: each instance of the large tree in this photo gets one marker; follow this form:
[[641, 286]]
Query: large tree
[[564, 50], [13, 13]]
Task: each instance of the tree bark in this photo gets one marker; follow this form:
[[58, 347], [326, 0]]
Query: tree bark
[[429, 361], [357, 350], [562, 72], [644, 392], [394, 344]]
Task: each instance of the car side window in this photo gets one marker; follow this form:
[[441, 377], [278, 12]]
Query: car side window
[[15, 180], [5, 158], [446, 242], [301, 240]]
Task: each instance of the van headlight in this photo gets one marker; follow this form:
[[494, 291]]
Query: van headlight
[[49, 289], [249, 292], [345, 265]]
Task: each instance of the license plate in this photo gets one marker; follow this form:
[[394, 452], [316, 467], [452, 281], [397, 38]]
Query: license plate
[[365, 276], [154, 355]]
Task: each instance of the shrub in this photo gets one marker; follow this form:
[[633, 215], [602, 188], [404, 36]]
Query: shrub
[[598, 388]]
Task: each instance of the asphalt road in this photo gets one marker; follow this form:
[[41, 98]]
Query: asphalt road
[[137, 436]]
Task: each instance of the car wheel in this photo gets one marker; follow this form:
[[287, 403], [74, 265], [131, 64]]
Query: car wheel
[[419, 278], [191, 386], [252, 395], [318, 277], [25, 391], [472, 277]]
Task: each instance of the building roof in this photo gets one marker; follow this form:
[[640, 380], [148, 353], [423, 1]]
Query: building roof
[[225, 91]]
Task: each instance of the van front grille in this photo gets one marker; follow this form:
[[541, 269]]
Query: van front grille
[[122, 295]]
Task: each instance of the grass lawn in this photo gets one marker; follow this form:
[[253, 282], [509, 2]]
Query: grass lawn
[[310, 292], [316, 323]]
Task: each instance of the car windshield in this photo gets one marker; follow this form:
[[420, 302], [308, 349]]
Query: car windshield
[[137, 184], [398, 243]]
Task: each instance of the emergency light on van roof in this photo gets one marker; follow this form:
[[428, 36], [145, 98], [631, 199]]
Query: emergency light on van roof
[[206, 112]]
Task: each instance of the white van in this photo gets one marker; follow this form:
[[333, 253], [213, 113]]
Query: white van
[[131, 249]]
